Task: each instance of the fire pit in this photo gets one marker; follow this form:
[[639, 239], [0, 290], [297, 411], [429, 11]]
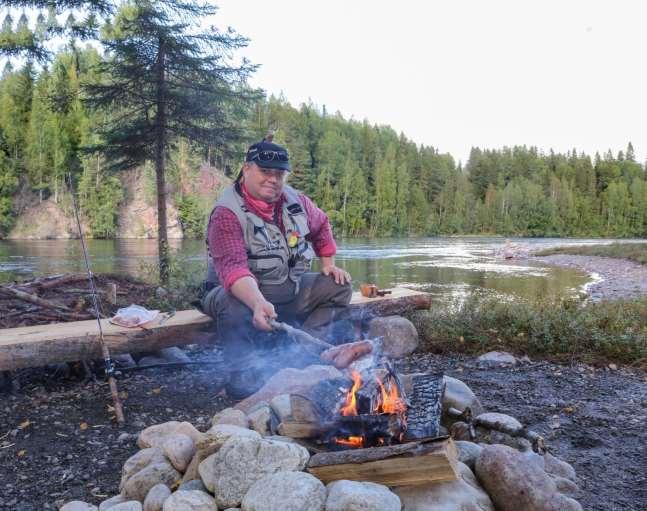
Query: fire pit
[[372, 408]]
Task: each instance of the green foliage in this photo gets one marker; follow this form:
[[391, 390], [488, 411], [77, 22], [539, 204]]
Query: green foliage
[[563, 329], [100, 197], [192, 216], [368, 178]]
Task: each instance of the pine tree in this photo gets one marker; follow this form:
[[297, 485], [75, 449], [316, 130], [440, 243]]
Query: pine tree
[[166, 81]]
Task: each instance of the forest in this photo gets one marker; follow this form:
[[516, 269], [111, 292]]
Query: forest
[[370, 179]]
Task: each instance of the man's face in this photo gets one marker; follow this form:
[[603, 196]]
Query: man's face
[[262, 183]]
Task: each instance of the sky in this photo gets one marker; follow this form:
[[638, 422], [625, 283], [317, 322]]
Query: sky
[[456, 74]]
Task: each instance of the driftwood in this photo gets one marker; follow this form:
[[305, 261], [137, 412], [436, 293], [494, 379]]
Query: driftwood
[[65, 298], [395, 465], [27, 297]]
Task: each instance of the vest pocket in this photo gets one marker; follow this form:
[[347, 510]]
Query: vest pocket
[[266, 267]]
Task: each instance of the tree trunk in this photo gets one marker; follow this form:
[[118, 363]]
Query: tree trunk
[[160, 146]]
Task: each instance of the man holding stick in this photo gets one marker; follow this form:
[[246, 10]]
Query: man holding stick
[[262, 236]]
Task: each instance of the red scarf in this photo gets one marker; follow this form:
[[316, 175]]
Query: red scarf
[[263, 209]]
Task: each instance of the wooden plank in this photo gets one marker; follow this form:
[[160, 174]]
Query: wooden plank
[[64, 342], [397, 465], [78, 340]]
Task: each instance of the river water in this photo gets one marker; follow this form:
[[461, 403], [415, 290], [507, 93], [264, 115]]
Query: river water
[[451, 268]]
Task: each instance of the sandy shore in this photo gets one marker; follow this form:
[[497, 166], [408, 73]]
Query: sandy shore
[[612, 278]]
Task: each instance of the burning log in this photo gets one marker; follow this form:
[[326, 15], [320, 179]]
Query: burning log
[[395, 465], [296, 429], [319, 402], [425, 406]]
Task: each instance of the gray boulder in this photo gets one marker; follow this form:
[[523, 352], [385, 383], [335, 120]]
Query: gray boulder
[[463, 494], [113, 501], [241, 461], [459, 396], [77, 505], [179, 449], [155, 436], [259, 420], [194, 484], [139, 461], [468, 452], [399, 336], [156, 497], [515, 484], [281, 406], [223, 432], [131, 505], [192, 500], [138, 486], [174, 355], [497, 358], [286, 491], [231, 416], [559, 468], [346, 495]]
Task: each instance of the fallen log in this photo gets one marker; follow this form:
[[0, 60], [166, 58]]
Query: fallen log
[[412, 463], [65, 342], [398, 302]]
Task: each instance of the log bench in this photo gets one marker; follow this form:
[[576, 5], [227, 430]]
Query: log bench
[[36, 346]]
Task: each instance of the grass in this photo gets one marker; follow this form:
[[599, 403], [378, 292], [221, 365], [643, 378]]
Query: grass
[[559, 330], [634, 251]]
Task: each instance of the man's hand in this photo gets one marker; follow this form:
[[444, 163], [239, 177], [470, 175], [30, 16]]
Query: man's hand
[[341, 276], [263, 311]]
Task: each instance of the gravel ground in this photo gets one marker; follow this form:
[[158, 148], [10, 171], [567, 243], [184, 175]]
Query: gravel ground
[[612, 278], [57, 441]]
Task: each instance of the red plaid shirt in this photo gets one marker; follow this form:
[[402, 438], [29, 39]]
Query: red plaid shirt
[[227, 245]]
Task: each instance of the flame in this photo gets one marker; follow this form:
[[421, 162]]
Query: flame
[[390, 401], [351, 441], [350, 407]]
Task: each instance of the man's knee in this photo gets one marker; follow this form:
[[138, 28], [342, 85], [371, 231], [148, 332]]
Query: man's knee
[[224, 307]]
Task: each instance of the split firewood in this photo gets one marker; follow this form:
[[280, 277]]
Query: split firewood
[[396, 465]]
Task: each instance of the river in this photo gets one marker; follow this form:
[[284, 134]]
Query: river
[[450, 268]]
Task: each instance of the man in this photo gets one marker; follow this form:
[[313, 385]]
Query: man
[[262, 236]]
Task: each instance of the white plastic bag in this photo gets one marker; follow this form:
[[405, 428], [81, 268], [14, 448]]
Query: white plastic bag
[[133, 316]]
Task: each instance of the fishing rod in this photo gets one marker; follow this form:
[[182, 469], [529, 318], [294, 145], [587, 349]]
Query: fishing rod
[[108, 362]]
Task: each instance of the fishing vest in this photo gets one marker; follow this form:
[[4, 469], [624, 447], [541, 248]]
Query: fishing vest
[[274, 258]]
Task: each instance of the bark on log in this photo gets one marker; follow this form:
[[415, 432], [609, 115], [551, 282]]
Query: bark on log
[[399, 302], [64, 342], [297, 429], [395, 465], [318, 403]]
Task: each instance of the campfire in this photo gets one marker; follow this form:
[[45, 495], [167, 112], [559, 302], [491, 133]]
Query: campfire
[[373, 412], [372, 407]]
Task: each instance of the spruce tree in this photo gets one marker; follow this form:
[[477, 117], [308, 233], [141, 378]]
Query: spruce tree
[[30, 43], [165, 81]]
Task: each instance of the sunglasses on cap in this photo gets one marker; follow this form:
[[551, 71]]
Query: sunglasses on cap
[[264, 156]]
